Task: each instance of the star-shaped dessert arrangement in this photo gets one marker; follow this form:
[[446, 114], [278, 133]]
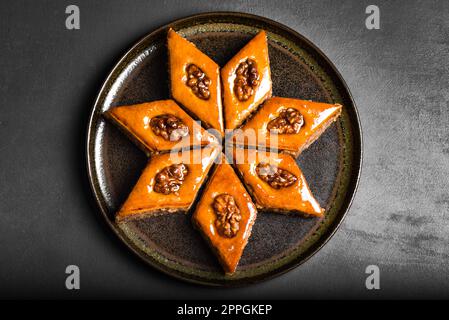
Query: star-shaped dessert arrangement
[[223, 185]]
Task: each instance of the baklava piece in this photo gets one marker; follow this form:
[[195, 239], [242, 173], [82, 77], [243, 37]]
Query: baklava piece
[[246, 81], [225, 215], [287, 124], [169, 183], [159, 126], [195, 81], [276, 182]]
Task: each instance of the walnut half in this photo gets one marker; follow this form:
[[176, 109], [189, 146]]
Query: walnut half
[[246, 80], [289, 121], [228, 215], [276, 177], [170, 178], [169, 127], [198, 81]]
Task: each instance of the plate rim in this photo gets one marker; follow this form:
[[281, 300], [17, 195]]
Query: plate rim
[[315, 247]]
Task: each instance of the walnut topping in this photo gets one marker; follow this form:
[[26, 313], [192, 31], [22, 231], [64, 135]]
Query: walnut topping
[[276, 177], [247, 79], [170, 179], [228, 215], [198, 82], [289, 121], [169, 127]]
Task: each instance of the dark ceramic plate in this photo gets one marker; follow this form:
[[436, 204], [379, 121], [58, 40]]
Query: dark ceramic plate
[[278, 242]]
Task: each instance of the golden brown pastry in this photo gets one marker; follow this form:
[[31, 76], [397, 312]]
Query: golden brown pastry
[[246, 81], [226, 210], [294, 124], [159, 126], [275, 182], [225, 215], [195, 81], [169, 183]]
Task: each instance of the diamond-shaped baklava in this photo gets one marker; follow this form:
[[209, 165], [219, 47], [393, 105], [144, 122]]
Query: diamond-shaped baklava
[[276, 182], [287, 124], [195, 81], [246, 81], [159, 126], [169, 183], [225, 215]]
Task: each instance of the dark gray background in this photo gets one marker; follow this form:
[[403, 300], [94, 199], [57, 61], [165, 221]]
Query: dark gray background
[[398, 76]]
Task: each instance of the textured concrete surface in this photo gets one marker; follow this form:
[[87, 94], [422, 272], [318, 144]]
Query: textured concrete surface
[[398, 76]]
